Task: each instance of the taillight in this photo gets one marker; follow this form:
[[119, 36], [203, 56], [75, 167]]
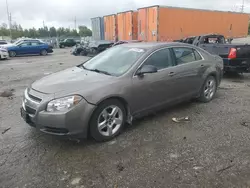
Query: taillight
[[232, 53]]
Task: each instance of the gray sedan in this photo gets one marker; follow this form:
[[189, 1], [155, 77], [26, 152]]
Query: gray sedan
[[100, 96]]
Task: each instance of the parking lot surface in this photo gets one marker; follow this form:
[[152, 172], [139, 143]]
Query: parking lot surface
[[211, 150]]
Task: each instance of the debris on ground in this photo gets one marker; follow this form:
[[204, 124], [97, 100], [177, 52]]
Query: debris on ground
[[5, 130], [120, 167], [75, 181], [226, 168], [47, 73], [181, 119], [198, 168], [7, 93], [60, 63], [238, 81], [245, 124]]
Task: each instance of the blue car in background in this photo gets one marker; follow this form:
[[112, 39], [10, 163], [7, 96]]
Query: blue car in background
[[29, 47]]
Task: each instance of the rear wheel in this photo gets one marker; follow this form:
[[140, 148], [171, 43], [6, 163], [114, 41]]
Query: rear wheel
[[44, 52], [12, 54], [208, 90], [108, 120]]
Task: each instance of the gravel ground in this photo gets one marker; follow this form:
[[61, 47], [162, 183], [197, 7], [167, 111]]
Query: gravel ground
[[212, 150]]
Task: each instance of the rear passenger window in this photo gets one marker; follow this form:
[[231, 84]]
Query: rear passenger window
[[197, 56], [160, 59], [184, 55], [35, 43]]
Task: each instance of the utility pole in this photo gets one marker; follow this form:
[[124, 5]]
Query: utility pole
[[243, 6], [75, 22], [9, 17], [43, 24]]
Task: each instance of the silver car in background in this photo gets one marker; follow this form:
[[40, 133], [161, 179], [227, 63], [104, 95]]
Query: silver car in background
[[128, 81]]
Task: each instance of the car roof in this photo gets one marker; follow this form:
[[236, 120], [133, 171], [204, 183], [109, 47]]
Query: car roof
[[155, 45]]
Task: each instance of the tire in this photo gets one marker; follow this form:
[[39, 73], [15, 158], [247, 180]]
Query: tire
[[83, 53], [104, 125], [62, 46], [43, 52], [208, 90], [12, 53]]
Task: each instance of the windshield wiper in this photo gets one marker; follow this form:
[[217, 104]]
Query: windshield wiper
[[100, 71], [82, 65], [96, 70]]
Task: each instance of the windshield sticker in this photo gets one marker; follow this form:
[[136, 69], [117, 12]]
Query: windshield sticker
[[136, 50]]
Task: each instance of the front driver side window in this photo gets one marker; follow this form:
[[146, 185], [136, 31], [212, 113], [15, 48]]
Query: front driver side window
[[161, 59]]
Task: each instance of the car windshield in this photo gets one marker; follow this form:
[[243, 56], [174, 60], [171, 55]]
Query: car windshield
[[17, 42], [115, 61]]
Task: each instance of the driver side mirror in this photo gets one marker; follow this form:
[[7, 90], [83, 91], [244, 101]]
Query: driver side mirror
[[146, 69]]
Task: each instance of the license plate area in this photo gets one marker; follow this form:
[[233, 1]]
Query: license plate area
[[25, 116]]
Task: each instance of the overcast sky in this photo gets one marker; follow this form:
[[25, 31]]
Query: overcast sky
[[31, 13]]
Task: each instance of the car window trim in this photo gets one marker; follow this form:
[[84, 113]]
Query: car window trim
[[174, 64], [202, 58]]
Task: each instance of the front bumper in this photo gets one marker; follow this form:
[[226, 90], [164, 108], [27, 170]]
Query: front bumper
[[4, 55], [73, 122]]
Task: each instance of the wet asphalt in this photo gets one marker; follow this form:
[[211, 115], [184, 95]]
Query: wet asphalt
[[212, 150]]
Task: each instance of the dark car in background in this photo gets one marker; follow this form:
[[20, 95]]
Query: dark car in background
[[67, 43], [92, 48], [125, 82]]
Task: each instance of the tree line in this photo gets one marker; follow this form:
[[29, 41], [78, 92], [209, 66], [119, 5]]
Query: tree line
[[43, 32]]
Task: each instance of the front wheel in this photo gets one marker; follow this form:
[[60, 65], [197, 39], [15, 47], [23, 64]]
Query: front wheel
[[12, 54], [208, 90], [108, 120]]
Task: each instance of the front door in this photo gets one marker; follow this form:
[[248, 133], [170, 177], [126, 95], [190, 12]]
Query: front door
[[154, 89], [24, 48]]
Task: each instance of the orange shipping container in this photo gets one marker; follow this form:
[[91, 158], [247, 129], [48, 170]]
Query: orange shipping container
[[110, 27], [161, 23], [127, 23]]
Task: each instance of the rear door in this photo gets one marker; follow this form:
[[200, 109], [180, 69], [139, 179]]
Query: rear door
[[35, 47], [190, 66]]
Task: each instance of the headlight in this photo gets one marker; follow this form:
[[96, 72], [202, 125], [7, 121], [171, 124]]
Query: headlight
[[63, 104]]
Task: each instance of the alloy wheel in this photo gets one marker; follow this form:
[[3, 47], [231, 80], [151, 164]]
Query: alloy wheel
[[110, 120], [210, 88]]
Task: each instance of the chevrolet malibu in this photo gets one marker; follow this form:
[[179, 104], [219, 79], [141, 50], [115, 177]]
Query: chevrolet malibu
[[97, 98]]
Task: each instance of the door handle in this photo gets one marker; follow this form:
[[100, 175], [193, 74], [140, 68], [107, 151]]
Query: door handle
[[171, 74]]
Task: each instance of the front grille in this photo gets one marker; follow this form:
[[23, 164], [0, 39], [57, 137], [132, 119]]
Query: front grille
[[30, 110], [34, 98]]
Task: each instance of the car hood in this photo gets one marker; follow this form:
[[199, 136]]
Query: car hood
[[8, 45], [71, 80]]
